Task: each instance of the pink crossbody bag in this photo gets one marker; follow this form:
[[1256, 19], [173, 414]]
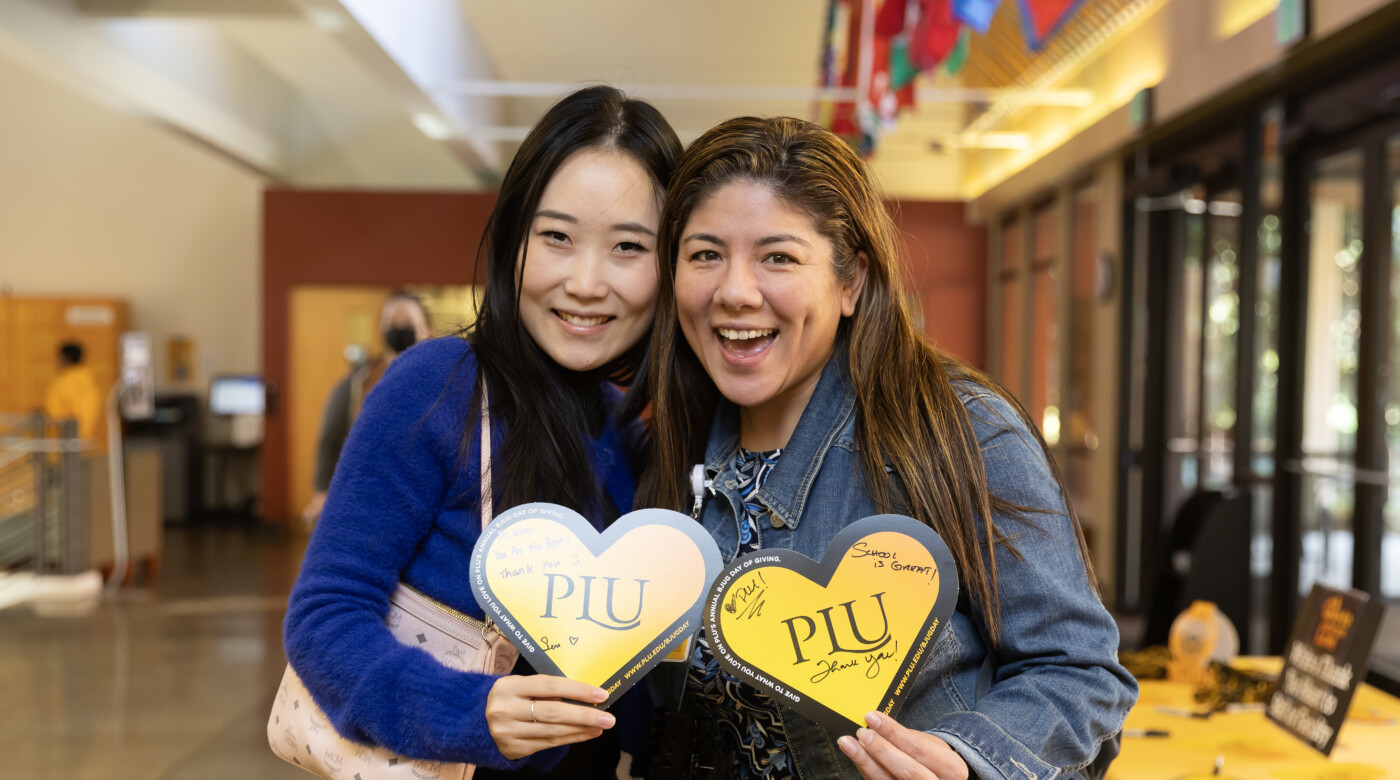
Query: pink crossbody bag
[[300, 733]]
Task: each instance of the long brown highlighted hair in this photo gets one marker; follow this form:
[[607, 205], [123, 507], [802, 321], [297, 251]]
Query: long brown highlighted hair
[[909, 415]]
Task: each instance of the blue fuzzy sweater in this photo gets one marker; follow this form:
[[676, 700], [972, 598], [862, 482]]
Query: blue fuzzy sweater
[[404, 505]]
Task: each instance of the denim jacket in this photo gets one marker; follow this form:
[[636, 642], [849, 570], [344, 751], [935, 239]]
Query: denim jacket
[[1050, 700]]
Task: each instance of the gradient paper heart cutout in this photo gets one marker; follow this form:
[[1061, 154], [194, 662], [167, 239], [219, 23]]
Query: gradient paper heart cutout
[[598, 608], [838, 638]]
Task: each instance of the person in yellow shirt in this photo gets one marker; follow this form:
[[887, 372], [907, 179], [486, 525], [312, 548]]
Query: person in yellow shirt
[[74, 394]]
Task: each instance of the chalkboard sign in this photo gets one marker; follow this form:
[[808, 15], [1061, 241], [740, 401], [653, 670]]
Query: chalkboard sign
[[1323, 662]]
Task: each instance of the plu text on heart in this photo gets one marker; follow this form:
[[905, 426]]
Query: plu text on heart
[[599, 608], [840, 637]]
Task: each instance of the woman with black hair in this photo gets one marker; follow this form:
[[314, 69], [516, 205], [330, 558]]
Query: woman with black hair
[[570, 294]]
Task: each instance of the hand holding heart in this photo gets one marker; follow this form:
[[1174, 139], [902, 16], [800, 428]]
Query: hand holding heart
[[887, 750], [527, 714], [832, 639]]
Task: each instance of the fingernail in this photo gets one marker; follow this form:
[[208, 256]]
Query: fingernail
[[873, 718], [848, 745], [600, 694], [606, 721], [865, 735]]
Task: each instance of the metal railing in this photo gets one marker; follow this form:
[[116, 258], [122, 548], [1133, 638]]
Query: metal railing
[[42, 492]]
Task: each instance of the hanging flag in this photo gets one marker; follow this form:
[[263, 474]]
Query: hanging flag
[[890, 92], [958, 58], [823, 112], [867, 45], [935, 36], [880, 98], [876, 104], [976, 14], [830, 75], [889, 22], [846, 119], [1041, 19], [902, 71]]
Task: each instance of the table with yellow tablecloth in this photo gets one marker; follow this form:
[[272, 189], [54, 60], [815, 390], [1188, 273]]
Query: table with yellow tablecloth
[[1251, 746]]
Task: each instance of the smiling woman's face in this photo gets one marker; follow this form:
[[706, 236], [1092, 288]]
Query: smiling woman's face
[[588, 291], [759, 302]]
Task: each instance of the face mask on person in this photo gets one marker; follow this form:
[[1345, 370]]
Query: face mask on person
[[400, 339]]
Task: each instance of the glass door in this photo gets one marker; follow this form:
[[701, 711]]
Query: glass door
[[1344, 477], [1220, 334], [1203, 330], [1196, 454], [1386, 659], [1185, 294], [1331, 361], [1261, 308]]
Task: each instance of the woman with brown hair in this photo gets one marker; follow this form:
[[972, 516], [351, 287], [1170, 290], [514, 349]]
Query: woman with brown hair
[[786, 362]]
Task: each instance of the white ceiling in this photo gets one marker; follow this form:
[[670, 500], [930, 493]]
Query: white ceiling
[[325, 93]]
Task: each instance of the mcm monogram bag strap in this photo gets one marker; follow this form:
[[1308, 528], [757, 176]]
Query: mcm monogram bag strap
[[503, 648], [485, 458]]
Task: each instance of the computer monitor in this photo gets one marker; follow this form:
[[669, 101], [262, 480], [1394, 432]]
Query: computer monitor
[[237, 394]]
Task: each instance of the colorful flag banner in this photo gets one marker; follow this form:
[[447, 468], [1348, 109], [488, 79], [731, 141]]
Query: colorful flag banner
[[1041, 19], [902, 71], [889, 21], [881, 46], [958, 57], [936, 34], [976, 14]]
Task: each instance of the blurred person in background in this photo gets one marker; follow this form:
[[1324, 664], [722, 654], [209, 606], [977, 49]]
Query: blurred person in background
[[403, 322], [74, 393]]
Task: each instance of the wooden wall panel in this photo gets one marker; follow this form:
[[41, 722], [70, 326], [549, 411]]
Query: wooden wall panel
[[324, 320], [31, 330]]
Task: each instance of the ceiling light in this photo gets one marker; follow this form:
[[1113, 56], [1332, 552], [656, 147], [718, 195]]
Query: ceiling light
[[432, 126], [327, 19], [1003, 140]]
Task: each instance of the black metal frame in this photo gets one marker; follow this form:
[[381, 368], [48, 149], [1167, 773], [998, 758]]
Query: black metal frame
[[1371, 458], [1287, 537], [1216, 165], [1127, 560], [1329, 90]]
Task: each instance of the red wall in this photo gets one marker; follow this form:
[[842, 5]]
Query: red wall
[[319, 237], [393, 238], [948, 269]]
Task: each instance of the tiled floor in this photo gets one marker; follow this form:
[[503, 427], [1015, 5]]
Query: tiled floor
[[172, 682]]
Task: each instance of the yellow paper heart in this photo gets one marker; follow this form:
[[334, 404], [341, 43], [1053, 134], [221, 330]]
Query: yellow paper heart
[[601, 617], [850, 645]]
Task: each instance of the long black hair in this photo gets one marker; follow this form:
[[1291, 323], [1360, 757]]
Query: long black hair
[[545, 408]]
